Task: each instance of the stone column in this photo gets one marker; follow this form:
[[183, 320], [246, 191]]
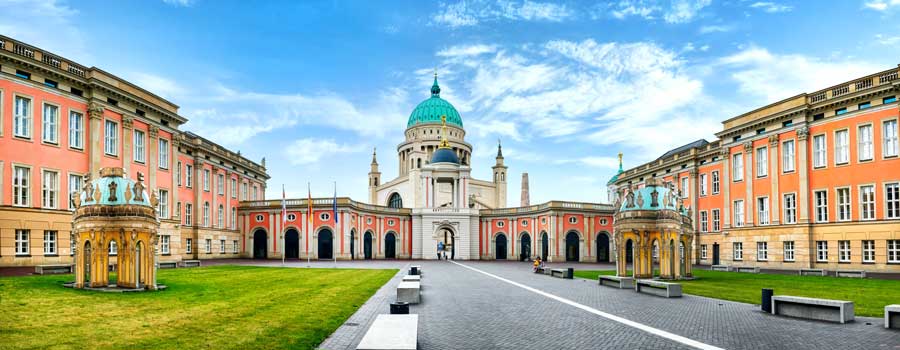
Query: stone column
[[748, 180], [128, 144], [803, 167], [95, 148], [153, 155], [214, 189], [774, 172], [173, 164], [725, 183]]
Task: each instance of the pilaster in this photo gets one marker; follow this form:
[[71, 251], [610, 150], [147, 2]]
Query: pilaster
[[173, 163], [774, 172], [749, 213], [152, 162], [803, 167], [128, 144], [725, 183], [95, 148]]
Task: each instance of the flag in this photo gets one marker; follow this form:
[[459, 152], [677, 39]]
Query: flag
[[334, 205]]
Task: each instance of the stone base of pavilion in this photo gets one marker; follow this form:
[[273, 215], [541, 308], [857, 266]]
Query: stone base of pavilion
[[112, 288]]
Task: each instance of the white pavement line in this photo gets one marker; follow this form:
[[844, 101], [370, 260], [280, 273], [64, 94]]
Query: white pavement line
[[641, 326]]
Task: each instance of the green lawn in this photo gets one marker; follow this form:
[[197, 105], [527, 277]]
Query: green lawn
[[217, 307], [869, 295]]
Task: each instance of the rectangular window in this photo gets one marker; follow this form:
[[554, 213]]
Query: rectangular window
[[51, 83], [177, 209], [822, 251], [738, 249], [188, 175], [208, 246], [820, 154], [75, 183], [867, 202], [111, 138], [222, 246], [50, 124], [22, 117], [50, 189], [844, 251], [233, 218], [889, 138], [163, 205], [892, 200], [821, 198], [841, 147], [220, 217], [221, 185], [868, 251], [21, 186], [893, 250], [234, 246], [790, 208], [76, 130], [164, 245], [737, 167], [255, 193], [139, 151], [843, 204], [684, 187], [840, 111], [715, 182], [788, 250], [163, 153], [703, 251], [206, 180], [762, 210], [22, 242], [762, 251], [206, 214], [738, 213], [866, 150], [864, 105], [50, 242], [704, 221], [702, 184], [715, 215], [178, 174], [787, 156], [113, 248], [188, 213], [889, 99], [188, 245], [762, 162], [233, 188]]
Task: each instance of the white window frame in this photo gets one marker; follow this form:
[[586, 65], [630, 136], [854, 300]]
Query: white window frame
[[841, 147], [843, 251], [50, 123], [789, 204], [893, 251], [221, 246], [762, 162], [188, 213], [206, 174], [74, 185], [209, 246], [703, 252], [49, 189], [111, 138], [234, 247], [892, 200], [762, 251], [188, 245], [163, 204], [113, 248], [737, 167], [788, 154], [737, 250], [220, 216], [139, 149], [233, 218], [762, 210], [685, 187], [820, 151], [162, 146], [233, 188], [23, 242], [76, 129], [865, 145], [715, 182], [205, 214], [867, 205], [178, 180], [22, 120], [716, 219], [164, 244], [868, 251], [821, 251], [704, 221], [21, 185], [789, 251], [738, 206], [702, 184], [50, 242], [220, 186], [188, 175], [889, 145], [821, 206], [843, 204]]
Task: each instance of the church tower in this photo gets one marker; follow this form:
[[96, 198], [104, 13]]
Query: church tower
[[499, 178], [374, 178]]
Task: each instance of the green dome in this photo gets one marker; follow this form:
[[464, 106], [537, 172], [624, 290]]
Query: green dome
[[431, 110]]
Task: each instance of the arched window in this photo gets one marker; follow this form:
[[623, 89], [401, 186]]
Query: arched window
[[220, 217], [395, 201]]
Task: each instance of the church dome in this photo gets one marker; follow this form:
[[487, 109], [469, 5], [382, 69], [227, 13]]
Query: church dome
[[431, 110], [444, 155]]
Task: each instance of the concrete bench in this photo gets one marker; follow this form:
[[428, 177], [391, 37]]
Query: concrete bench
[[813, 308], [53, 269], [850, 273], [892, 316], [720, 268], [812, 272], [561, 273], [660, 288], [747, 269], [168, 264], [616, 281], [190, 263], [392, 332], [408, 292], [412, 278]]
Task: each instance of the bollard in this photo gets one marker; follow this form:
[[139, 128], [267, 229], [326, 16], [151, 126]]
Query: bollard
[[571, 273], [399, 308], [413, 271], [767, 300]]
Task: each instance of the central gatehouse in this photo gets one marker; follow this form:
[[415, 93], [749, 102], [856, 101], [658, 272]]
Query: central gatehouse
[[433, 199]]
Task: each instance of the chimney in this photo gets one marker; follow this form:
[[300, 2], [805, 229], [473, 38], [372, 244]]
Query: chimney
[[526, 200]]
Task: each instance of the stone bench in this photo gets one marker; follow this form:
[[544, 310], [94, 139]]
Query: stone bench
[[616, 281], [392, 332], [412, 278], [660, 288], [813, 308], [747, 269], [408, 292], [812, 272], [850, 273], [720, 268], [562, 273], [190, 263], [168, 264], [53, 269], [892, 316]]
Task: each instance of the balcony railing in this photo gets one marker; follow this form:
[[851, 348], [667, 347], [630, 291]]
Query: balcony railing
[[24, 51], [53, 61], [861, 84]]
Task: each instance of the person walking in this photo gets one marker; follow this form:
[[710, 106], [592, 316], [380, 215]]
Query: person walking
[[440, 249]]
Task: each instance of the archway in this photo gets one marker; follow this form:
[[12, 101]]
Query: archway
[[352, 244], [629, 251], [500, 247], [602, 247], [390, 246], [449, 239], [681, 267], [326, 248], [112, 270], [525, 247], [367, 245], [572, 253], [545, 246], [137, 264], [655, 264], [87, 263], [259, 244], [292, 244], [671, 268]]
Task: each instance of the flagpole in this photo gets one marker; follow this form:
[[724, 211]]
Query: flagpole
[[334, 209], [283, 221], [308, 219]]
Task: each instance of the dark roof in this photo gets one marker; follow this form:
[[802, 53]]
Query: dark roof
[[696, 144], [444, 155]]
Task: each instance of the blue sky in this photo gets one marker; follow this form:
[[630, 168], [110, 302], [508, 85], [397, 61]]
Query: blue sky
[[314, 86]]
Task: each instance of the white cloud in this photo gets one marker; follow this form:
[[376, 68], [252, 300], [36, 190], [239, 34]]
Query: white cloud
[[716, 29], [683, 11], [887, 40], [593, 161], [467, 50], [671, 11], [180, 3], [160, 86], [771, 7], [59, 31], [881, 5], [772, 77], [309, 151], [472, 12]]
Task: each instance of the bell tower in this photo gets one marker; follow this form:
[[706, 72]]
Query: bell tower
[[499, 178], [374, 179]]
